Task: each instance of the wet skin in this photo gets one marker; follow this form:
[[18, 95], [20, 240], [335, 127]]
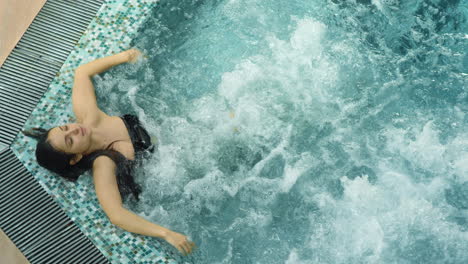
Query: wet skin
[[72, 138]]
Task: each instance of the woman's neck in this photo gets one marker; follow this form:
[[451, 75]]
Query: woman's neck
[[100, 139]]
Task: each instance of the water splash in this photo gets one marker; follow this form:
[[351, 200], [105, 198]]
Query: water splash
[[305, 131]]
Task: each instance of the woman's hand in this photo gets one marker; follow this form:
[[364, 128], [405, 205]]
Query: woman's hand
[[180, 242], [132, 55]]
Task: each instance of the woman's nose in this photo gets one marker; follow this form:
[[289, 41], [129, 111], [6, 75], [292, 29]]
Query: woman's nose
[[74, 131]]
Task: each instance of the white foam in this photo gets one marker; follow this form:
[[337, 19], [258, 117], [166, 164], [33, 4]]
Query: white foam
[[293, 65], [293, 258], [292, 173], [206, 190], [296, 77], [378, 4], [425, 150], [307, 37], [456, 156], [233, 83], [228, 258], [368, 216], [460, 166]]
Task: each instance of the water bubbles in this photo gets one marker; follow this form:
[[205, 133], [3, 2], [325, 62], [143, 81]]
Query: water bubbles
[[300, 132]]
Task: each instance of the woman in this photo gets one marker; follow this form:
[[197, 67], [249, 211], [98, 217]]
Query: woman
[[109, 145]]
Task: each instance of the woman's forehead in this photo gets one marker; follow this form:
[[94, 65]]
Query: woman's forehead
[[56, 138]]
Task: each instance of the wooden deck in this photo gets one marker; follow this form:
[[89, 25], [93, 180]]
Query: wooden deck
[[9, 253], [15, 18]]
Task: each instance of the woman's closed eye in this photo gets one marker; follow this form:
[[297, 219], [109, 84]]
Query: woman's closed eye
[[70, 140]]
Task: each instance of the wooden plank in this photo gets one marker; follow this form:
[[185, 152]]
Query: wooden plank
[[9, 253], [15, 18]]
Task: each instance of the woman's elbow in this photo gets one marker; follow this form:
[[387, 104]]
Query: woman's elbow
[[115, 218], [82, 70]]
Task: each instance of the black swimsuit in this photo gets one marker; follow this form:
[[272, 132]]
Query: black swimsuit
[[140, 138], [142, 145]]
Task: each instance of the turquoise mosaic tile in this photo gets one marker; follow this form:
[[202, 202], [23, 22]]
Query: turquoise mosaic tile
[[110, 32]]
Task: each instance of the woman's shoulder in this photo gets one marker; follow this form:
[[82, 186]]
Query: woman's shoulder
[[103, 161], [108, 159]]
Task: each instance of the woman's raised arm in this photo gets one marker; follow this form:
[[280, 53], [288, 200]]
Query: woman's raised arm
[[83, 95], [103, 64]]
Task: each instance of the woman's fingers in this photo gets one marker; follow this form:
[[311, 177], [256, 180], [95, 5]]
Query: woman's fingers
[[186, 250], [181, 250], [188, 246], [180, 242], [192, 246], [133, 55]]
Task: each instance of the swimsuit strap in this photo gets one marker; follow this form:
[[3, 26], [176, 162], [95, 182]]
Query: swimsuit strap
[[113, 143]]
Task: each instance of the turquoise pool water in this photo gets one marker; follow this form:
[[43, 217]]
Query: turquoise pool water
[[304, 131]]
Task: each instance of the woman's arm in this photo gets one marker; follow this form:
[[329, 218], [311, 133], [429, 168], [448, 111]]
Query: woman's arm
[[83, 95], [103, 64], [109, 197], [131, 222]]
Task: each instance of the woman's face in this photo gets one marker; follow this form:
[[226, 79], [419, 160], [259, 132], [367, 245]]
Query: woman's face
[[71, 138]]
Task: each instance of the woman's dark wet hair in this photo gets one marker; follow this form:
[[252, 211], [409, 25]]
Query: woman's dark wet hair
[[59, 162]]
